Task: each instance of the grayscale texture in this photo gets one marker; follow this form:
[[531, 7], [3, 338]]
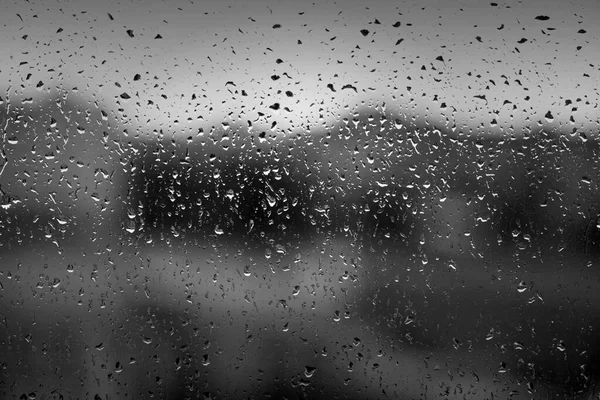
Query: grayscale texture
[[288, 199]]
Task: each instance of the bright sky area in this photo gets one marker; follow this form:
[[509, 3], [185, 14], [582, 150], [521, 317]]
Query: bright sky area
[[477, 64]]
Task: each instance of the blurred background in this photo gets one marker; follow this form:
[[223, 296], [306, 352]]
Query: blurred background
[[298, 200]]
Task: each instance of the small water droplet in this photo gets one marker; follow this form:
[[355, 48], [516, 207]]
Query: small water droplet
[[518, 345], [205, 360], [296, 290], [247, 270], [502, 368], [130, 226], [530, 387], [280, 249], [336, 316], [456, 343], [309, 371]]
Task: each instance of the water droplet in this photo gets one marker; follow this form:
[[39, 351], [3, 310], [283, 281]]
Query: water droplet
[[336, 316], [247, 270], [205, 360], [502, 368], [130, 226], [283, 303], [518, 345], [309, 371], [456, 343], [452, 265], [530, 387], [6, 202]]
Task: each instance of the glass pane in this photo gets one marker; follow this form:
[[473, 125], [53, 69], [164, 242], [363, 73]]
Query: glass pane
[[296, 200]]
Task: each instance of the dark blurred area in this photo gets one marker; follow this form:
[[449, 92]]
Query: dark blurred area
[[138, 267], [226, 181]]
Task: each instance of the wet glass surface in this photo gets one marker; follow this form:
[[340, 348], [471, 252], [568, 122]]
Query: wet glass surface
[[220, 200]]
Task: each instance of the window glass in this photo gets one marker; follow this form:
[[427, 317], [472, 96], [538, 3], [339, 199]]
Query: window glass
[[223, 199]]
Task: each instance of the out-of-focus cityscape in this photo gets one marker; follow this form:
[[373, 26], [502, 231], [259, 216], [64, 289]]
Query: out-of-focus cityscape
[[357, 212]]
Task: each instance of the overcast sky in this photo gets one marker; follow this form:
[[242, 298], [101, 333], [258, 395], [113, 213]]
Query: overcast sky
[[470, 61]]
